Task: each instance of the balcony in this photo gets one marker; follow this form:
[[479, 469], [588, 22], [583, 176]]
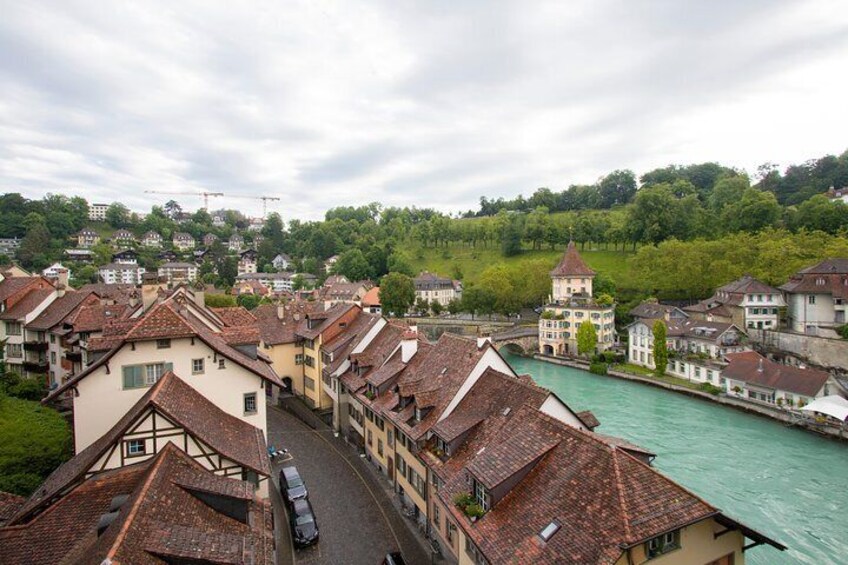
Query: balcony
[[74, 356], [38, 366], [35, 346]]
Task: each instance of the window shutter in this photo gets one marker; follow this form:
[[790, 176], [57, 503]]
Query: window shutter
[[129, 381]]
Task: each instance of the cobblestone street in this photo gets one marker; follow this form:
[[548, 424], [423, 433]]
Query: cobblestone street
[[357, 520]]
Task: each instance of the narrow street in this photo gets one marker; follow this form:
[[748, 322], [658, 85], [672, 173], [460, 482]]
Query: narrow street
[[357, 521]]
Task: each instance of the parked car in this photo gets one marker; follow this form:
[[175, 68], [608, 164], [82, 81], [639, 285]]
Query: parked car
[[394, 558], [303, 524], [291, 484]]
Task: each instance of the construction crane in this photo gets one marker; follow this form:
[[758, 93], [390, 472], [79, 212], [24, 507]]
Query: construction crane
[[202, 193], [264, 200]]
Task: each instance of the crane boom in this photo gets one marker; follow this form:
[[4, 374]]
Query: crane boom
[[205, 194]]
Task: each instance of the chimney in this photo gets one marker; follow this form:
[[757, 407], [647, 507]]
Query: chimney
[[149, 291], [133, 301], [199, 294], [760, 365], [62, 278], [409, 344], [281, 310]]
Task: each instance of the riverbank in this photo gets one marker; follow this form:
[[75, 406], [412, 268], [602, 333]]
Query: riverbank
[[782, 415]]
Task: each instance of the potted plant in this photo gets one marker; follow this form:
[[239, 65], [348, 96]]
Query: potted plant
[[474, 511], [463, 499]]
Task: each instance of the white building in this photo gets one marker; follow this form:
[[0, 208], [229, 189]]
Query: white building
[[235, 243], [178, 272], [87, 238], [571, 305], [26, 351], [53, 271], [281, 262], [125, 273], [817, 298], [247, 262], [430, 287], [745, 302], [97, 212], [751, 376], [183, 241], [276, 282], [151, 239]]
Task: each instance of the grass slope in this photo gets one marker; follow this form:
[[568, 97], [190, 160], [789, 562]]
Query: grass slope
[[34, 440], [473, 261]]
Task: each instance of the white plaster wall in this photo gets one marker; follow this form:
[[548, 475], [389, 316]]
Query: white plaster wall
[[102, 400]]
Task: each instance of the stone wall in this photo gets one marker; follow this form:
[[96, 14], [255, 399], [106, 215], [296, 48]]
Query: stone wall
[[821, 351]]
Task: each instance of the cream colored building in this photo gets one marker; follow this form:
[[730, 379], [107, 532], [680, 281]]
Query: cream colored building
[[571, 305]]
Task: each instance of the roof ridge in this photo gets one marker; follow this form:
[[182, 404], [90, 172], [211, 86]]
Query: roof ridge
[[621, 500]]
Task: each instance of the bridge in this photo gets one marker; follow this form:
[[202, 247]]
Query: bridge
[[521, 340]]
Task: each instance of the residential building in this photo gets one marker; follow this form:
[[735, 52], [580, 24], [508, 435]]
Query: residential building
[[247, 261], [276, 282], [51, 328], [209, 240], [838, 195], [176, 272], [54, 270], [281, 262], [9, 246], [25, 350], [173, 474], [125, 256], [343, 292], [235, 243], [121, 273], [278, 325], [751, 376], [746, 302], [79, 255], [12, 271], [167, 255], [330, 263], [371, 301], [183, 241], [432, 287], [250, 286], [817, 298], [653, 310], [151, 239], [178, 334], [123, 238], [87, 237], [255, 224], [97, 212], [696, 347], [572, 304]]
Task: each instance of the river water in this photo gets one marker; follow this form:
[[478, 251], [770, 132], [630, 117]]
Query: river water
[[786, 483]]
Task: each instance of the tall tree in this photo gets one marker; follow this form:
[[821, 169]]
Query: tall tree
[[660, 348], [587, 338], [397, 293], [353, 265]]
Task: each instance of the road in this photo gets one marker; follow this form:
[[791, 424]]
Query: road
[[356, 519]]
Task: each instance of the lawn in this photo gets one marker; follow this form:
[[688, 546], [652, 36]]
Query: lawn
[[473, 260], [645, 372], [34, 440]]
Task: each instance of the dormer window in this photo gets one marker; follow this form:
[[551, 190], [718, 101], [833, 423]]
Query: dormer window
[[442, 446], [482, 496], [820, 281], [663, 544], [548, 531]]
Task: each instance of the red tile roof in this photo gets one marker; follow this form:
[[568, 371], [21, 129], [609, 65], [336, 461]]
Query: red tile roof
[[23, 307], [372, 297], [95, 317], [753, 368], [232, 437], [160, 323], [828, 277], [13, 285], [10, 504], [275, 330], [235, 316], [60, 309], [572, 264], [165, 518]]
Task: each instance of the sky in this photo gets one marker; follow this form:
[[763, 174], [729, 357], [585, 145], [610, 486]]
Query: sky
[[430, 104]]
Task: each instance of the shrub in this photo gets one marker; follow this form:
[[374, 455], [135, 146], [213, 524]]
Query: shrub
[[610, 357], [463, 499], [710, 388], [843, 331], [29, 389], [474, 511], [598, 368], [547, 315]]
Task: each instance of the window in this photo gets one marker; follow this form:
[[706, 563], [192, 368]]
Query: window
[[222, 363], [481, 496], [52, 357], [663, 544], [401, 466], [474, 553], [197, 366], [309, 383], [52, 338], [436, 516], [298, 359], [451, 531], [138, 376], [163, 344], [13, 328], [811, 299], [380, 447], [309, 361], [251, 477], [136, 447], [370, 438], [250, 403], [443, 446], [549, 530]]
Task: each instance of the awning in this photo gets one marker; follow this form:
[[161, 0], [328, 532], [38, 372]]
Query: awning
[[832, 405]]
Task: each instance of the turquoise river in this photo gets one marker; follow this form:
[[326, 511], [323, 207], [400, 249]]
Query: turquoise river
[[787, 483]]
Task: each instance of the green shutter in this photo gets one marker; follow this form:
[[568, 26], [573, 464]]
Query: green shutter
[[128, 377], [133, 376]]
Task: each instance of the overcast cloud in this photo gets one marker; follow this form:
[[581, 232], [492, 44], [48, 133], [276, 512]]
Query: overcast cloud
[[430, 103]]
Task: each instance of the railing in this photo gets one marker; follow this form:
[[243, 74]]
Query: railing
[[35, 346]]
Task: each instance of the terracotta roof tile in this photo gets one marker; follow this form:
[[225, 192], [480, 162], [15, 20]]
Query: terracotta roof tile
[[572, 264], [13, 285], [59, 309], [27, 304], [235, 316], [275, 330], [753, 368], [10, 504], [160, 323]]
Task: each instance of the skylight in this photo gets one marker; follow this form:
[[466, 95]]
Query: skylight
[[548, 532]]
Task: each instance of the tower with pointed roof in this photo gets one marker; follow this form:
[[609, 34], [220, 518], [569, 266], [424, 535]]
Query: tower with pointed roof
[[572, 304]]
